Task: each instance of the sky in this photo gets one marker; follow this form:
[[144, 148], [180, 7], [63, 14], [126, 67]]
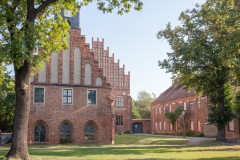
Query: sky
[[132, 39]]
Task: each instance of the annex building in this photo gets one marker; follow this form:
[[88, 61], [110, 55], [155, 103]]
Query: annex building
[[196, 114], [81, 96]]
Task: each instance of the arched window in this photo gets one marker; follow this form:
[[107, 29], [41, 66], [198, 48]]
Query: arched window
[[65, 133], [89, 132], [39, 133]]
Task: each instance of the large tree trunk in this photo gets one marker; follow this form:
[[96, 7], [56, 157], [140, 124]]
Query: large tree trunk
[[19, 148]]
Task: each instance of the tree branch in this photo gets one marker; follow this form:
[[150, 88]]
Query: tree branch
[[43, 6], [15, 4]]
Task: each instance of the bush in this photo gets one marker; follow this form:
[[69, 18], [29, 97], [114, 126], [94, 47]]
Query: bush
[[65, 140]]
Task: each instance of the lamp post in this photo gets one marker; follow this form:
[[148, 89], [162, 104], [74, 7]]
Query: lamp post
[[183, 114]]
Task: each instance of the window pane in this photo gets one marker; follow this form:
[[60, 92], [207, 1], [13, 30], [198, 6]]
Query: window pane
[[39, 133], [92, 96], [67, 96], [119, 119], [39, 95], [65, 133], [89, 132]]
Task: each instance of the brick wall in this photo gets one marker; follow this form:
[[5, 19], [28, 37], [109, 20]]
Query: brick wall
[[194, 114], [146, 123], [52, 113]]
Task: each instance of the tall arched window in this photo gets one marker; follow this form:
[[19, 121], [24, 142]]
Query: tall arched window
[[40, 133], [65, 133], [89, 132]]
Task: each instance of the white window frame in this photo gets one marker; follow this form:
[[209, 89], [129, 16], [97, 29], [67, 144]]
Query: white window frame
[[119, 103], [96, 98], [185, 105], [34, 95], [231, 127], [63, 96], [199, 125], [198, 103], [192, 125]]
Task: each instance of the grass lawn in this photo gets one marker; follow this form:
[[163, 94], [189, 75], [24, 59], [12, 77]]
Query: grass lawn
[[141, 148]]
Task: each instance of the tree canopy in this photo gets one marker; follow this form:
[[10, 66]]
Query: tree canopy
[[7, 102], [205, 55], [25, 27], [142, 106], [173, 116]]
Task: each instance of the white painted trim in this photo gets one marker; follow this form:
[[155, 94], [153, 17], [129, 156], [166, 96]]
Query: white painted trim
[[96, 97], [72, 97], [34, 95]]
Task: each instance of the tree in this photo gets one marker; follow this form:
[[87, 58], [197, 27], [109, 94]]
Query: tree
[[205, 56], [135, 112], [7, 99], [143, 103], [26, 25], [173, 116]]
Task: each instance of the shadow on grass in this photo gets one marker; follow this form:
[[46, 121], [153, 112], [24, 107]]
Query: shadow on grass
[[222, 158]]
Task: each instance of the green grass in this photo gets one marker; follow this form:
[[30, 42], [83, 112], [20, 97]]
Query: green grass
[[142, 148]]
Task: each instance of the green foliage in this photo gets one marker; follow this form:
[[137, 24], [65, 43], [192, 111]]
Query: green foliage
[[7, 102], [135, 111], [24, 29], [173, 116], [205, 56], [143, 104]]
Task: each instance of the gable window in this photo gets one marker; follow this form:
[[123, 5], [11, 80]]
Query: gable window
[[67, 96], [92, 97], [38, 95], [119, 102], [119, 120]]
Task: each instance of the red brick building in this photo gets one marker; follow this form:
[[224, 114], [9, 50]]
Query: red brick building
[[73, 100], [119, 82], [196, 113]]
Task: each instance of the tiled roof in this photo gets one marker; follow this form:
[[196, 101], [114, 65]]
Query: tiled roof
[[174, 92]]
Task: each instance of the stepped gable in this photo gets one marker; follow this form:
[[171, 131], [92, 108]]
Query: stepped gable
[[115, 75], [174, 92], [76, 40]]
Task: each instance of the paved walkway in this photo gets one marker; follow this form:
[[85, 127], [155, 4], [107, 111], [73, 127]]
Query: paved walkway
[[192, 140]]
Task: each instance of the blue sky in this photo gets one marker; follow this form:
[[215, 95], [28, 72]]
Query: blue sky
[[132, 38]]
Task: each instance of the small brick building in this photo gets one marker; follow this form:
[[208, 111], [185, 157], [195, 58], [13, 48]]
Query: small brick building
[[141, 126], [196, 114], [73, 97]]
